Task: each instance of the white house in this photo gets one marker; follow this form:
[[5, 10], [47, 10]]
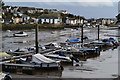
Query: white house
[[63, 11], [49, 19], [105, 21], [74, 21]]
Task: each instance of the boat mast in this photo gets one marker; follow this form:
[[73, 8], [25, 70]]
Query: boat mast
[[36, 38], [98, 32], [82, 35]]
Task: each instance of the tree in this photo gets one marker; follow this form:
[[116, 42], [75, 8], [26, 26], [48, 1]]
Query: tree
[[2, 3]]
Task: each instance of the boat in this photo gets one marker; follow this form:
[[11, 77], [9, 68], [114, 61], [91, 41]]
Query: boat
[[5, 76], [58, 57], [73, 40], [30, 63], [20, 34], [104, 42], [78, 40], [80, 52], [110, 42], [52, 46], [4, 55], [21, 51]]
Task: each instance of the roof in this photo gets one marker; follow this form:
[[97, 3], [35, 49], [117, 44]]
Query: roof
[[48, 16]]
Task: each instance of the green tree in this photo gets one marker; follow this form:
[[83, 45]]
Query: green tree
[[2, 3]]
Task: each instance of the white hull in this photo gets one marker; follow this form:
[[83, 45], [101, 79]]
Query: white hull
[[20, 35]]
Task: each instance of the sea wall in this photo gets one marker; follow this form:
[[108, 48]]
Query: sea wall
[[30, 26]]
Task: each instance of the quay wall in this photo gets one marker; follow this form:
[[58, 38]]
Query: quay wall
[[31, 26]]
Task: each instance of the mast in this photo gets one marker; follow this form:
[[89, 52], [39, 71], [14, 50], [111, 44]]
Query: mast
[[82, 35], [36, 38], [98, 32]]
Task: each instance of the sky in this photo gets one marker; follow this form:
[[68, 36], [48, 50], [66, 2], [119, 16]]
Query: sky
[[86, 8]]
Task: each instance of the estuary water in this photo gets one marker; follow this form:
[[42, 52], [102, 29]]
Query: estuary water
[[103, 66]]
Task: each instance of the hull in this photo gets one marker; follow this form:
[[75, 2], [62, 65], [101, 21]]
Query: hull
[[29, 69], [20, 35]]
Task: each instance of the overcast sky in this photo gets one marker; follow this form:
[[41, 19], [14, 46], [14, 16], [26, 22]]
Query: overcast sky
[[86, 8]]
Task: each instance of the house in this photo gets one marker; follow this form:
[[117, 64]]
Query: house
[[20, 18], [39, 10], [63, 11], [8, 20], [25, 18], [31, 10], [10, 9], [74, 21], [50, 19], [105, 21], [17, 20]]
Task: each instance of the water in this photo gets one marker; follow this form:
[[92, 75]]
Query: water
[[103, 66]]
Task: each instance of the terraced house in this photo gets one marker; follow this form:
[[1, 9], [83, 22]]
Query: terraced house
[[50, 19]]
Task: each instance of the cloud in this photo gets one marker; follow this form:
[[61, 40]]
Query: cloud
[[61, 0], [71, 2]]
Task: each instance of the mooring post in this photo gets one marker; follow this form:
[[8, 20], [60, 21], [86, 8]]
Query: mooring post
[[98, 32], [36, 38], [82, 35], [71, 56]]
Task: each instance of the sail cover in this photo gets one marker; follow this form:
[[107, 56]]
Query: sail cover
[[38, 58]]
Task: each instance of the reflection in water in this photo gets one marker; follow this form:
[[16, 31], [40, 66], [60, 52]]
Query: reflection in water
[[39, 74], [48, 74]]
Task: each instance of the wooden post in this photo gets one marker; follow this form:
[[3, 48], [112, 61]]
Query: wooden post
[[82, 35], [36, 38], [98, 32], [72, 61], [71, 56]]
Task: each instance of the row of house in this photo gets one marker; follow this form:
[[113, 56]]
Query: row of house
[[31, 10], [15, 9], [74, 21], [19, 16], [106, 21], [103, 21]]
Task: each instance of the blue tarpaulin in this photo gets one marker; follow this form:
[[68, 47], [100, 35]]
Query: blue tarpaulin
[[74, 40]]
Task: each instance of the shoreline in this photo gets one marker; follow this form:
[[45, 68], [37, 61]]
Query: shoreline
[[41, 26], [31, 26]]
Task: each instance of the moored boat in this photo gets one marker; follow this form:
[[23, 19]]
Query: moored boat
[[20, 34], [21, 51], [64, 59], [31, 63]]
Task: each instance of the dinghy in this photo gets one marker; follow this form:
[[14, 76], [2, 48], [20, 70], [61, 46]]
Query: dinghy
[[20, 34], [21, 51], [58, 58]]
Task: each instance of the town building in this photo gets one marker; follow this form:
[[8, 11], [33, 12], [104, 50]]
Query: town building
[[105, 21], [74, 21], [49, 19]]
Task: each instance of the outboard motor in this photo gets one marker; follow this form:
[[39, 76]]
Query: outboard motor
[[77, 60], [85, 38], [10, 50], [97, 49], [61, 54]]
